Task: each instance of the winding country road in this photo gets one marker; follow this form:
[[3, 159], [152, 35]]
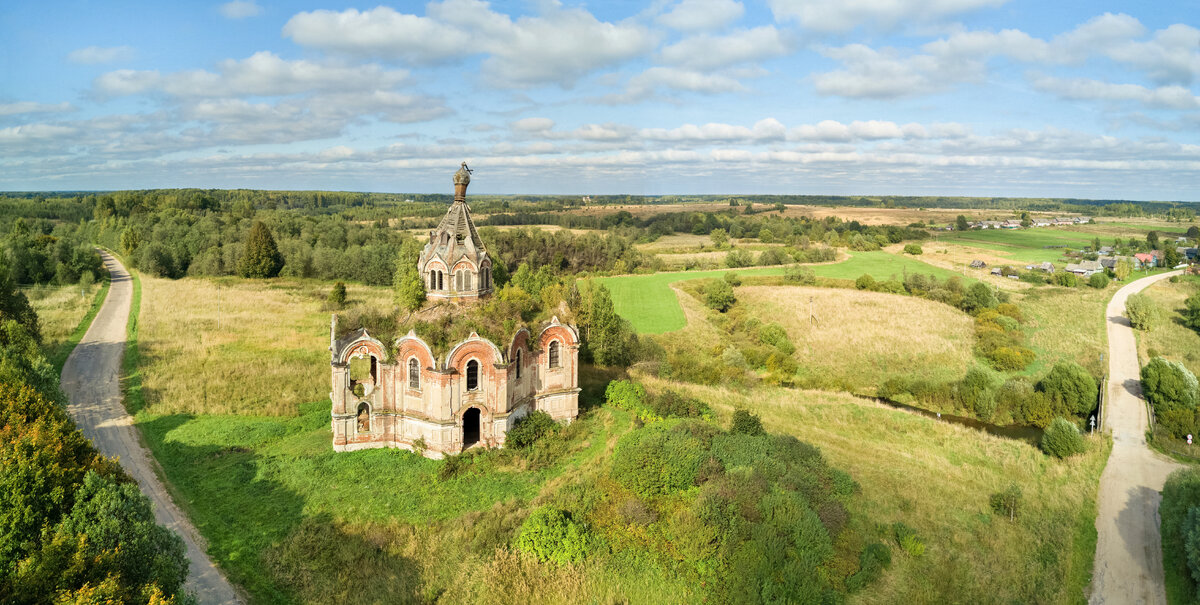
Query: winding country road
[[1128, 566], [91, 381]]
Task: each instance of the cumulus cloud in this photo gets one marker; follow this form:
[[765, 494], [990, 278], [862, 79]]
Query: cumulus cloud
[[1172, 56], [558, 46], [94, 55], [698, 15], [891, 73], [706, 52], [261, 74], [240, 9], [24, 107], [845, 15], [533, 124], [1172, 97]]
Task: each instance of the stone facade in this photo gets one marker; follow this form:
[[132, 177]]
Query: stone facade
[[473, 394], [469, 397]]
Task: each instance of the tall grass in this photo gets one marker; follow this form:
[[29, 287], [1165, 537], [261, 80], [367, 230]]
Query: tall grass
[[937, 478], [64, 314], [1170, 338]]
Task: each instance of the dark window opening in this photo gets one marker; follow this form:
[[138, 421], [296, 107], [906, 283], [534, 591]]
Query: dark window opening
[[364, 418], [470, 427], [439, 286], [472, 375], [554, 361], [414, 374], [518, 363]]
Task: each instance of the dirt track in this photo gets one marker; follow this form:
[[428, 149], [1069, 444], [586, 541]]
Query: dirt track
[[1128, 566], [90, 379]]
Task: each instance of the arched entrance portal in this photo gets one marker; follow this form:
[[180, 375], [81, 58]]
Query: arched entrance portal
[[470, 427]]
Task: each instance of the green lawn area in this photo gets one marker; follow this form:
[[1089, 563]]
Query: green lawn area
[[649, 304], [1025, 245]]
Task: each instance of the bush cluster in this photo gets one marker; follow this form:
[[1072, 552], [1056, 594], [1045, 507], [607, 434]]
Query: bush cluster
[[1179, 515], [529, 429], [1000, 340], [632, 397], [1062, 439], [553, 535], [1174, 396], [660, 458], [1144, 314]]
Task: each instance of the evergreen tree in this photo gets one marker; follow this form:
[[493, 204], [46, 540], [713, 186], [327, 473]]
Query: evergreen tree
[[408, 283], [261, 258], [961, 223]]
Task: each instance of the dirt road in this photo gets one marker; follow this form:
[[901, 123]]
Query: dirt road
[[1128, 566], [90, 379]]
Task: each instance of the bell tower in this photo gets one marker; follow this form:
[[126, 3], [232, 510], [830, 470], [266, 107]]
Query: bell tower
[[454, 263]]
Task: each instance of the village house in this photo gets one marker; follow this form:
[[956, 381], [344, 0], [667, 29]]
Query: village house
[[410, 396], [1041, 222], [1145, 260], [1058, 222], [1085, 268], [978, 264], [1189, 254]]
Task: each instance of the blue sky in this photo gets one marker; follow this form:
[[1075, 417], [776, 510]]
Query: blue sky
[[914, 97]]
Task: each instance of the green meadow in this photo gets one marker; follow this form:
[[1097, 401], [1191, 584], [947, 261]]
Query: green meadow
[[648, 302]]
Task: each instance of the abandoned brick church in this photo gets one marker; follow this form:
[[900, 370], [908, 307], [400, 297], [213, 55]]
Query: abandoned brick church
[[472, 395]]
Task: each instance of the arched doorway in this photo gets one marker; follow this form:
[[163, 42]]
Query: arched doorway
[[470, 427]]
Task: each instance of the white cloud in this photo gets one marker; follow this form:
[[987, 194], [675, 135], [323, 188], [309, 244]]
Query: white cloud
[[533, 124], [23, 107], [1172, 97], [713, 52], [768, 129], [845, 15], [93, 55], [698, 15], [1172, 56], [890, 73], [261, 74], [240, 9], [556, 47]]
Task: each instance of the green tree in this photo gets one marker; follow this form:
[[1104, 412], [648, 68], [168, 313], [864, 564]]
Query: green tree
[[337, 296], [1152, 239], [1168, 385], [1144, 314], [130, 240], [260, 258], [1070, 387], [719, 238], [719, 296], [961, 223], [1193, 232], [1191, 312], [765, 236], [746, 423], [1062, 439], [1171, 257], [1123, 269], [408, 284], [913, 249], [979, 296], [1098, 281], [607, 337], [1065, 279]]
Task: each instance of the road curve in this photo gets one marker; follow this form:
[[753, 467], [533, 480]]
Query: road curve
[[91, 380], [1128, 566]]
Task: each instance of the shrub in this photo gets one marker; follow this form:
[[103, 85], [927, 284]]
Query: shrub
[[1032, 277], [657, 459], [631, 397], [1007, 502], [1071, 387], [529, 429], [1180, 496], [553, 535], [979, 296], [738, 258], [875, 558], [719, 296], [1098, 281], [977, 391], [1065, 279], [865, 282], [733, 279], [773, 256], [1062, 438], [1168, 385], [1144, 314], [913, 249], [801, 275], [1011, 359], [1191, 541], [774, 335], [1191, 312], [1010, 310], [455, 465], [906, 537], [337, 297], [746, 423]]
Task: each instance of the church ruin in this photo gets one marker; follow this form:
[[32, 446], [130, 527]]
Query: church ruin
[[409, 397]]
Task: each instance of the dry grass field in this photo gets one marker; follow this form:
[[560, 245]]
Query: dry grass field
[[1066, 324], [862, 338], [60, 309], [937, 478], [1171, 339], [864, 215], [268, 357]]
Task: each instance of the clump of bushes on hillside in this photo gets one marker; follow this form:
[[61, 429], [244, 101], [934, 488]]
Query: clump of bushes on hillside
[[1065, 279], [553, 535], [632, 397], [1000, 340], [1099, 281], [1144, 314], [1070, 387], [530, 429], [1174, 395], [1180, 527], [718, 295], [913, 249], [1062, 439]]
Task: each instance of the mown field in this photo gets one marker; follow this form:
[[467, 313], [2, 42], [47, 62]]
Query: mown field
[[937, 477], [859, 339], [648, 302]]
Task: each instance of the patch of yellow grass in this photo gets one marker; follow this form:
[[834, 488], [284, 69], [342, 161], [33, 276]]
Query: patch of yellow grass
[[937, 477], [60, 309], [269, 355], [1066, 324], [861, 338]]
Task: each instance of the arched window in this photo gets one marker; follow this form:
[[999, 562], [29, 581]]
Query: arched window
[[518, 362], [467, 279], [487, 277], [432, 279], [364, 418], [554, 361], [472, 375], [458, 281], [440, 276], [414, 373]]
